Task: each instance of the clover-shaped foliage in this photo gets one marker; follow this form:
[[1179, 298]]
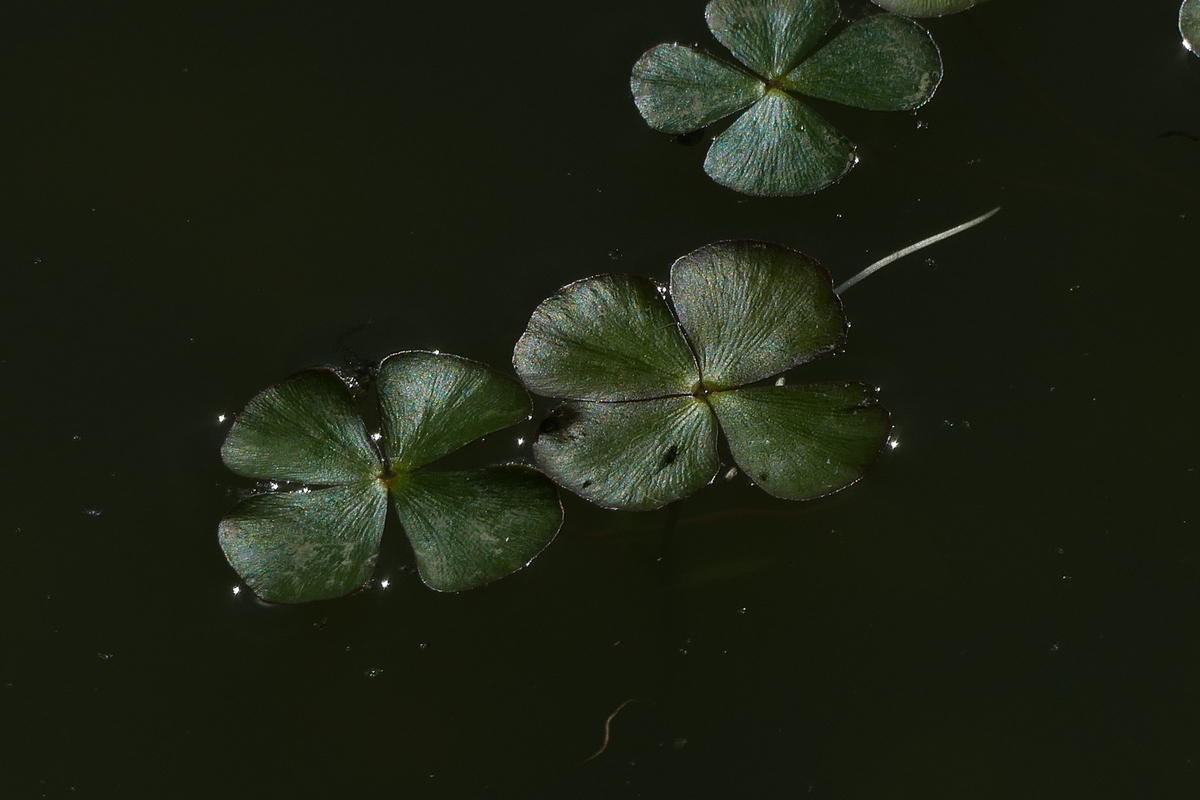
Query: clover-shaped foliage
[[1189, 25], [651, 375], [926, 8], [319, 538], [781, 145]]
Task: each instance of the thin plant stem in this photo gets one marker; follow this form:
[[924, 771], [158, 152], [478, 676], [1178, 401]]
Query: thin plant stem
[[912, 248]]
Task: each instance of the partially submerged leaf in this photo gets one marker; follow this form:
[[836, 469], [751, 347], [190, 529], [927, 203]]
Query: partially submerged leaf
[[470, 528], [467, 528], [926, 8], [780, 147], [750, 310], [680, 89], [611, 337], [753, 310], [806, 441], [431, 404], [880, 63], [1189, 25], [304, 429], [770, 36], [293, 547], [635, 456]]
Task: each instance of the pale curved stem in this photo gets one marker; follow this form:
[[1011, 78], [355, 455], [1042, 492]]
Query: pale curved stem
[[912, 248]]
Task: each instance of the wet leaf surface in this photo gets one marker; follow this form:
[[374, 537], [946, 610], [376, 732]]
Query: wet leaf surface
[[805, 441], [471, 528], [680, 89], [750, 311], [926, 8], [304, 429], [317, 542], [1189, 24], [611, 337], [781, 146], [294, 547], [432, 404], [753, 310], [770, 36], [634, 456], [880, 63]]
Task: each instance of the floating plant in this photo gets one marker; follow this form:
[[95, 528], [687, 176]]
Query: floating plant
[[1189, 24], [781, 145], [319, 537], [926, 8], [651, 375]]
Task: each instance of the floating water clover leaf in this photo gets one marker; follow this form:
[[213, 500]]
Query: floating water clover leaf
[[321, 540], [651, 375], [1189, 25], [781, 146], [926, 8]]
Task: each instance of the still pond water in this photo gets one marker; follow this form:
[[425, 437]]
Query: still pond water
[[201, 198]]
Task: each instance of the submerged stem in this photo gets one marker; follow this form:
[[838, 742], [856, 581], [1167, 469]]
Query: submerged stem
[[912, 248]]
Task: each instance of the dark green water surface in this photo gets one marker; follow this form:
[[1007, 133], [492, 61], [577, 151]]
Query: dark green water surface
[[199, 198]]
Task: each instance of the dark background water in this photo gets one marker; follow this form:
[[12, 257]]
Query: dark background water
[[199, 198]]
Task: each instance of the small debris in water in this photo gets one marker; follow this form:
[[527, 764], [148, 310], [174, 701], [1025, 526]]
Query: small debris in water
[[423, 645], [92, 512], [373, 672], [104, 656], [743, 611]]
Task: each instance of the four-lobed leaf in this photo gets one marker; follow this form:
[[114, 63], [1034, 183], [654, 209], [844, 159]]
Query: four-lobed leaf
[[650, 381], [782, 146], [746, 312], [1189, 25], [321, 540]]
